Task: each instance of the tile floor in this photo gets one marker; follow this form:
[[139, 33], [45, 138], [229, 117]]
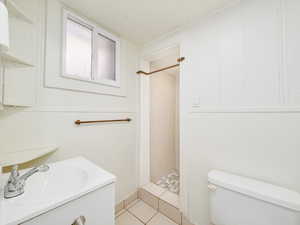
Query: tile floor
[[139, 213], [163, 194]]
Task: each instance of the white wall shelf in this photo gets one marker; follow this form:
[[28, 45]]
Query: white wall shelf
[[25, 155], [18, 12], [9, 59]]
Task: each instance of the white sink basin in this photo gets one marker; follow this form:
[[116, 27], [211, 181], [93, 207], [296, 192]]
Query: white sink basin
[[63, 182], [59, 181]]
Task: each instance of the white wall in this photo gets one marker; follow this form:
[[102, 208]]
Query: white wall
[[162, 124], [239, 93], [111, 146]]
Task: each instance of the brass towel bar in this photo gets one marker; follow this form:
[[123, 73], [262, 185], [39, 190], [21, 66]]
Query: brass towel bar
[[162, 69], [78, 122]]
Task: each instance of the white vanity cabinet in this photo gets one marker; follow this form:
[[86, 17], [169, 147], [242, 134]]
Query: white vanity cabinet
[[96, 207], [68, 190]]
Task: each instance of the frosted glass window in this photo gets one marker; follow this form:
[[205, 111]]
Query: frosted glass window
[[106, 58], [89, 52], [78, 55]]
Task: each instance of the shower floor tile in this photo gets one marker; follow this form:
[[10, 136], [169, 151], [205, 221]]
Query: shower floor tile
[[154, 189]]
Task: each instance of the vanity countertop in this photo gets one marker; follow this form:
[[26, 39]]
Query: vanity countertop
[[65, 181]]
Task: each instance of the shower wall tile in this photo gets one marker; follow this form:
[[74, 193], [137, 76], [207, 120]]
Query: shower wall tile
[[149, 198], [119, 207], [170, 211], [171, 198]]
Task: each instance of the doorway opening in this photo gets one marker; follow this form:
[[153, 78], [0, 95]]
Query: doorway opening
[[164, 124], [160, 156]]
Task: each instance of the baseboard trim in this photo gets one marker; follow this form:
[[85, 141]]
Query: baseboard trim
[[124, 203]]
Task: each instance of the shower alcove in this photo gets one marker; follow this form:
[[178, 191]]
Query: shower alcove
[[160, 157]]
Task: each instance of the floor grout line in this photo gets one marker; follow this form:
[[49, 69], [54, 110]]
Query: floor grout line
[[157, 212], [120, 213], [125, 209], [159, 202], [137, 200], [136, 217]]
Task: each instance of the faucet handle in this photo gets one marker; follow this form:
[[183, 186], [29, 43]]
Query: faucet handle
[[79, 221], [15, 169], [14, 173]]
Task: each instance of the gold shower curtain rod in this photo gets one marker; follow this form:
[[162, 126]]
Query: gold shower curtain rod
[[179, 60]]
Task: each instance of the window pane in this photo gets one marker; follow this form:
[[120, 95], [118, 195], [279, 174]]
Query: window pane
[[106, 58], [78, 50]]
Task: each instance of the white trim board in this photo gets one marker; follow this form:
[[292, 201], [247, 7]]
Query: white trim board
[[70, 109], [245, 110], [144, 154]]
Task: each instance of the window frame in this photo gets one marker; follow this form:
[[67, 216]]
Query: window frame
[[96, 30]]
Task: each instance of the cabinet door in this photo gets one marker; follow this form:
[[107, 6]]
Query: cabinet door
[[19, 86], [96, 207]]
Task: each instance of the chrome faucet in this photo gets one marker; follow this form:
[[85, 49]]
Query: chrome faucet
[[16, 183]]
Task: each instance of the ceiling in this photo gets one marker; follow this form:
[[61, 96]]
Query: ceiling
[[143, 20]]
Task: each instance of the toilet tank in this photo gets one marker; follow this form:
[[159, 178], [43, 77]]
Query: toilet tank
[[236, 200]]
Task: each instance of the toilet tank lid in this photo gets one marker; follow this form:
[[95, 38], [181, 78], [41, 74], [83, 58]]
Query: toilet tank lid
[[256, 189]]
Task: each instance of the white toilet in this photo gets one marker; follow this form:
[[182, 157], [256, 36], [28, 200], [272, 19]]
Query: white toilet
[[236, 200]]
